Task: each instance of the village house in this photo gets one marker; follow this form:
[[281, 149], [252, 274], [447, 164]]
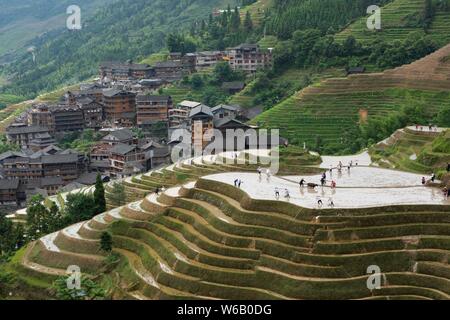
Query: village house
[[126, 160], [67, 118], [93, 112], [22, 135], [146, 86], [120, 107], [40, 115], [208, 59], [180, 113], [67, 166], [233, 87], [152, 109], [41, 141], [51, 185], [10, 192], [100, 152], [201, 119], [249, 58], [124, 71], [223, 111], [169, 71], [123, 136], [93, 91]]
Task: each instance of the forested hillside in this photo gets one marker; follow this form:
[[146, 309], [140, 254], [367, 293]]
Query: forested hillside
[[22, 20], [127, 29], [326, 15]]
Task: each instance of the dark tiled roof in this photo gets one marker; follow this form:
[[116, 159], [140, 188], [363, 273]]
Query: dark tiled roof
[[23, 130], [122, 65], [100, 164], [114, 92], [226, 107], [9, 184], [140, 98], [60, 158], [161, 152], [51, 181], [9, 154], [201, 109], [235, 85], [87, 178], [168, 64], [221, 122], [123, 149], [84, 100], [247, 46], [122, 135]]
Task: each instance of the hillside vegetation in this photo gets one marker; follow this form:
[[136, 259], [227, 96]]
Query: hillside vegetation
[[401, 17], [211, 240], [327, 115], [125, 30], [423, 152], [23, 20]]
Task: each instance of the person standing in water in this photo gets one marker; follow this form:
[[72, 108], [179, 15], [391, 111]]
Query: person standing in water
[[302, 183], [287, 195]]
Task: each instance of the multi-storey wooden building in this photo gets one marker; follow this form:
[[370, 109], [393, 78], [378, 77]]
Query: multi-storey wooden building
[[201, 118], [40, 116], [67, 166], [152, 109], [180, 113], [249, 58], [125, 71], [67, 118], [22, 135], [10, 191], [120, 106], [93, 113]]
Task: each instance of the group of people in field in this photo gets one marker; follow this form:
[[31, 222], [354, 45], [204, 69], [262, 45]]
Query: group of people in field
[[431, 128], [446, 190], [323, 181]]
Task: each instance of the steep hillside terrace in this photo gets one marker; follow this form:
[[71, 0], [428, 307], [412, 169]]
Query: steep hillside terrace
[[398, 19], [332, 107], [208, 239]]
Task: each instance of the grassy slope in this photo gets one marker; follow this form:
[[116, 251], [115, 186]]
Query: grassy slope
[[432, 151], [327, 109], [396, 23], [257, 10], [31, 23]]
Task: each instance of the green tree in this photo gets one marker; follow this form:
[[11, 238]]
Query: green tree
[[117, 195], [42, 220], [180, 43], [235, 20], [248, 23], [106, 242], [99, 195], [79, 207], [197, 81], [443, 116], [428, 14], [89, 290], [11, 236]]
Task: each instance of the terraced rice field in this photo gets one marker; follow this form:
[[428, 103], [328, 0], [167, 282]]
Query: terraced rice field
[[293, 77], [207, 239], [398, 19], [412, 150], [180, 93], [331, 108], [257, 11]]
